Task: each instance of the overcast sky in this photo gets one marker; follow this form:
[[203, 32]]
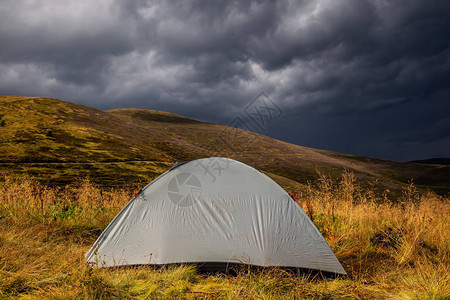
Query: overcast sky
[[368, 77]]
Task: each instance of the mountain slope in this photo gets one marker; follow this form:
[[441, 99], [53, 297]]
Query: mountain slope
[[290, 161], [58, 141]]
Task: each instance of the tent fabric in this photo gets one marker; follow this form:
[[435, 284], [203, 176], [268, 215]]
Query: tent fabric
[[213, 210]]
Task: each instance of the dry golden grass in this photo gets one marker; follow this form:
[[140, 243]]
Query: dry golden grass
[[44, 233]]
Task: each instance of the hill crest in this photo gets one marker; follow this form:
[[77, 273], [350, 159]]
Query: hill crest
[[58, 142]]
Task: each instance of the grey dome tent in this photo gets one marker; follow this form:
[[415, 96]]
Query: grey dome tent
[[213, 210]]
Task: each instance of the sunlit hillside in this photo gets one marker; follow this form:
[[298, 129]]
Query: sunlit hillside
[[58, 142], [67, 170]]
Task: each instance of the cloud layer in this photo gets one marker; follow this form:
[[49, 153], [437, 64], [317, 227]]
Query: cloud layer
[[360, 76]]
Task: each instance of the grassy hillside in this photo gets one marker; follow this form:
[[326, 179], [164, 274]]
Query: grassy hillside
[[58, 142], [50, 214]]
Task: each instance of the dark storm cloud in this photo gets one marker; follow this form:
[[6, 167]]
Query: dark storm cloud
[[372, 73]]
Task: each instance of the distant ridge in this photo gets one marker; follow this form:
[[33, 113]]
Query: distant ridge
[[434, 161]]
